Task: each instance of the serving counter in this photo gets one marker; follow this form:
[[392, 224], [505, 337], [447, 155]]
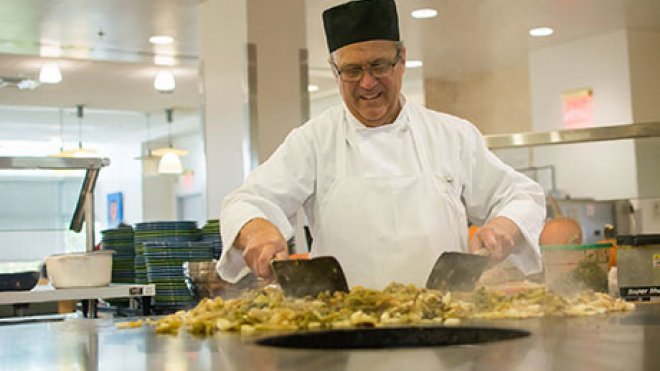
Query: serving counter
[[619, 341], [46, 293]]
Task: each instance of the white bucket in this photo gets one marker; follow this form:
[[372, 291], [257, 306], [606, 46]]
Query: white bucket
[[91, 269]]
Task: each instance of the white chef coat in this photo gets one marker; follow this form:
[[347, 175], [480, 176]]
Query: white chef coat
[[304, 169]]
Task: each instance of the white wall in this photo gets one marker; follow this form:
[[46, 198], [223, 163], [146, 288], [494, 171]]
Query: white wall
[[159, 196], [602, 170], [600, 62], [161, 192], [193, 180], [191, 186], [123, 175]]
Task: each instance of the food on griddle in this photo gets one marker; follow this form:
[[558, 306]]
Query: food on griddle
[[129, 324], [268, 309]]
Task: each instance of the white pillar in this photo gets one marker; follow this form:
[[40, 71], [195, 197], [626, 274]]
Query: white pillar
[[223, 70], [254, 85], [276, 29]]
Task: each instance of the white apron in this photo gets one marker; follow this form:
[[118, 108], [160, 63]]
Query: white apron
[[389, 229]]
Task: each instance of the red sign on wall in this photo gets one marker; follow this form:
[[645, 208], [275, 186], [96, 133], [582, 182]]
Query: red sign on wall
[[578, 108]]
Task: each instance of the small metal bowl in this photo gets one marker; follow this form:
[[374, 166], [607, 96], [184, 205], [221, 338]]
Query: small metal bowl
[[20, 281], [203, 281]]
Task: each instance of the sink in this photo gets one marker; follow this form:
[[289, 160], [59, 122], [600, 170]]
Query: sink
[[392, 337]]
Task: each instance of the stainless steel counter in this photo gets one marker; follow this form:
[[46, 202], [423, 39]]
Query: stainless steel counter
[[629, 341]]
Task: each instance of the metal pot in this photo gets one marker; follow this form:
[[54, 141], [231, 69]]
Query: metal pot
[[20, 281]]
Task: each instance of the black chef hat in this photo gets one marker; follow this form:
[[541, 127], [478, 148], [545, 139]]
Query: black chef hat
[[360, 20]]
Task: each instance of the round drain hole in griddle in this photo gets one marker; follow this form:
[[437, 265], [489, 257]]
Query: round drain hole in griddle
[[392, 337]]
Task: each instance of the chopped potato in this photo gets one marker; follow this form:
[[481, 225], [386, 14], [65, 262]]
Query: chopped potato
[[129, 324], [268, 309]]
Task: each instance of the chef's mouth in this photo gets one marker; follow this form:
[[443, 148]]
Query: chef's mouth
[[373, 96]]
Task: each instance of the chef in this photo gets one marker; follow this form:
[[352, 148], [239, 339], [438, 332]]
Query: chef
[[386, 185]]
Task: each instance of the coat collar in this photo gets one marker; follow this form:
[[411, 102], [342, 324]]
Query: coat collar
[[357, 131]]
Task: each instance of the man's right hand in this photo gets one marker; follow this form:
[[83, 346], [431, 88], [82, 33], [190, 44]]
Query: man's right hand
[[261, 242]]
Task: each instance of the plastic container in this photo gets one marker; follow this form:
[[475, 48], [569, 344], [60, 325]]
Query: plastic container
[[570, 268], [91, 269]]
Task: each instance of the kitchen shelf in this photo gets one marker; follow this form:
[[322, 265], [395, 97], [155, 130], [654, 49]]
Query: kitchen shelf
[[595, 134]]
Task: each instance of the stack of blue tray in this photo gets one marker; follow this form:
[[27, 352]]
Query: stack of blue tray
[[211, 234], [164, 262], [121, 241], [140, 267], [123, 268], [161, 248], [182, 231]]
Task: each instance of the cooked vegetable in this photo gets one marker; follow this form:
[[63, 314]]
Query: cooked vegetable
[[268, 309]]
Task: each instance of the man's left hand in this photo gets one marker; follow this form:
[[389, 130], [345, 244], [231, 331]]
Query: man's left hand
[[498, 237]]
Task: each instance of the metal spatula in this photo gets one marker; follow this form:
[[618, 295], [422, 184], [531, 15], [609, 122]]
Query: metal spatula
[[457, 271], [303, 277]]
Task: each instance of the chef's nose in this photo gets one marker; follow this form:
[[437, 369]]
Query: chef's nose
[[368, 81]]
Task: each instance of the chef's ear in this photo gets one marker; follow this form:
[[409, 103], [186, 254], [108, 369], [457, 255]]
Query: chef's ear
[[333, 66], [401, 50]]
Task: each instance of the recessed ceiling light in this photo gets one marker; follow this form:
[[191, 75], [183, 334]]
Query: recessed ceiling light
[[541, 31], [50, 74], [161, 39], [312, 88], [424, 13], [414, 64]]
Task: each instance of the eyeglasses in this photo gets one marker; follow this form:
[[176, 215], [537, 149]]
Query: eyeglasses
[[378, 70]]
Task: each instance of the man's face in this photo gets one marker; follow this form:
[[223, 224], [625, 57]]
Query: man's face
[[372, 100]]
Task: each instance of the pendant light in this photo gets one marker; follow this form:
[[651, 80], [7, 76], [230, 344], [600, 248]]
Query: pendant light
[[80, 151], [170, 163], [61, 130], [61, 152], [164, 82], [149, 155]]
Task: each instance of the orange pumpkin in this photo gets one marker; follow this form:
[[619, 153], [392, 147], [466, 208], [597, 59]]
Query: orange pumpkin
[[561, 231]]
